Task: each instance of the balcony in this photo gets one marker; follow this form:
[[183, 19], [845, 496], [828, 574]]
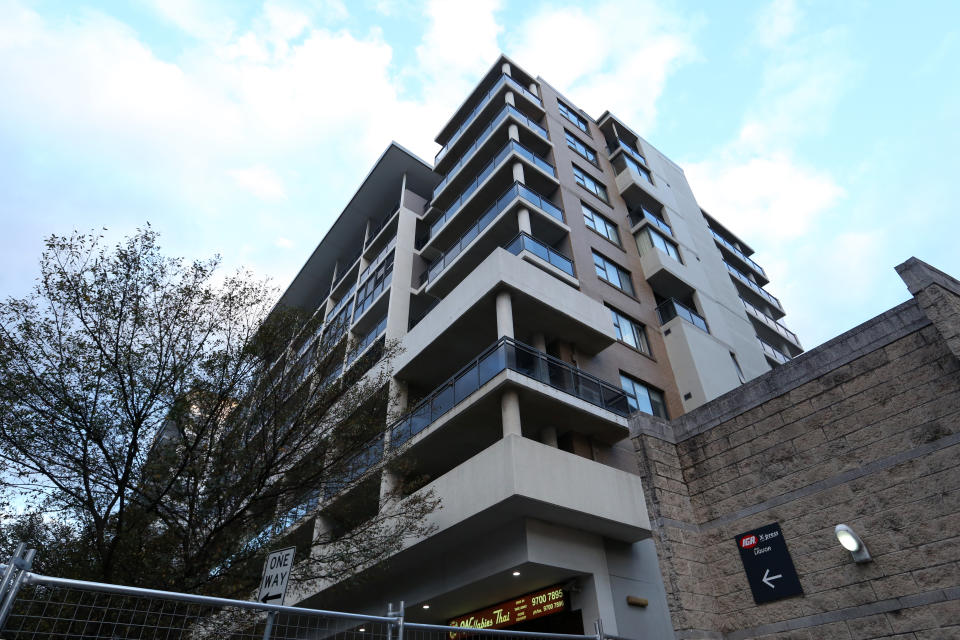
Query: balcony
[[548, 255], [771, 324], [671, 309], [753, 287], [494, 228], [624, 147], [773, 353], [487, 135], [643, 215], [503, 84], [666, 275], [750, 264], [462, 323], [486, 179], [507, 354]]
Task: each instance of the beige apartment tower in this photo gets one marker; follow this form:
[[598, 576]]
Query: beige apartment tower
[[549, 275]]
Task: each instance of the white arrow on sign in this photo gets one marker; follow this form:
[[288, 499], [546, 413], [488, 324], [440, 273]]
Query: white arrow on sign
[[768, 579]]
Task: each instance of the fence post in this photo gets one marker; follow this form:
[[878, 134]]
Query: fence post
[[400, 622], [268, 628], [598, 625], [13, 577]]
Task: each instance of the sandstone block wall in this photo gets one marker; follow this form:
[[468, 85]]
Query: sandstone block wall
[[864, 430]]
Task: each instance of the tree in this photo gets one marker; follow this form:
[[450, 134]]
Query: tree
[[157, 418]]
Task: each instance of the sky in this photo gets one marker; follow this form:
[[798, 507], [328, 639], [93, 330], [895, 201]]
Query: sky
[[823, 133]]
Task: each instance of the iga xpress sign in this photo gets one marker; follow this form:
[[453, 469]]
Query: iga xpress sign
[[768, 564], [533, 605]]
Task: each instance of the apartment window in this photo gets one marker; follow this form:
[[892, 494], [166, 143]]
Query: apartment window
[[600, 224], [649, 239], [641, 397], [612, 273], [572, 116], [574, 143], [588, 183], [639, 168], [629, 331]]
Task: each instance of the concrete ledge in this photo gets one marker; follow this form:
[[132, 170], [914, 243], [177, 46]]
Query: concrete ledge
[[918, 275]]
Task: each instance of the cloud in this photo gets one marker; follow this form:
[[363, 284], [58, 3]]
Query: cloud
[[261, 181], [616, 55], [777, 22]]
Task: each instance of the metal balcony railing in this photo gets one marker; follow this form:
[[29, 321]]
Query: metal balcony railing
[[636, 217], [524, 242], [636, 155], [770, 322], [504, 80], [505, 354], [508, 110], [670, 309], [517, 191], [740, 254], [773, 352], [742, 277]]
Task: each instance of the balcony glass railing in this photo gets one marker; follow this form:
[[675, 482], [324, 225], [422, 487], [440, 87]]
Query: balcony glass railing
[[516, 356], [636, 217], [773, 352], [517, 191], [770, 322], [636, 155], [367, 339], [353, 260], [670, 309], [511, 147], [508, 110], [376, 229], [376, 262], [504, 80], [524, 242], [358, 465], [742, 277], [740, 254]]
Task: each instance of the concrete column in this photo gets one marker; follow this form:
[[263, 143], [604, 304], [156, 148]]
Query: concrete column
[[510, 413], [510, 99], [398, 315], [505, 68], [548, 436], [504, 315], [565, 351], [518, 172], [389, 484], [513, 132], [523, 221], [540, 342], [533, 89]]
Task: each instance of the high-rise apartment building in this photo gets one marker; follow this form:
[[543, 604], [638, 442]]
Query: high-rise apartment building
[[549, 275]]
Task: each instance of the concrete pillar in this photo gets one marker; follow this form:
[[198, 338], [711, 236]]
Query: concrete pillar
[[565, 351], [548, 436], [510, 99], [505, 68], [534, 89], [389, 485], [539, 342], [518, 172], [513, 132], [398, 314], [523, 221], [504, 315], [510, 413]]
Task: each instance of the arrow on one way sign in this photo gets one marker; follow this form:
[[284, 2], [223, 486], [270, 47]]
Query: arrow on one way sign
[[768, 579]]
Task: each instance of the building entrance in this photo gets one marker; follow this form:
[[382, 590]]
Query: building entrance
[[563, 622]]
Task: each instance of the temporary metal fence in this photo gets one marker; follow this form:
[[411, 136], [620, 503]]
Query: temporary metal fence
[[37, 607]]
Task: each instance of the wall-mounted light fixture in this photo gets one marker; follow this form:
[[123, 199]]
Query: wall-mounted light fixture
[[852, 543]]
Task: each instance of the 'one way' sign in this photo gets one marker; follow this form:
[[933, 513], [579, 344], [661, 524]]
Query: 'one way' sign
[[276, 573]]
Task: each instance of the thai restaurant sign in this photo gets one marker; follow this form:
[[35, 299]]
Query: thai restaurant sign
[[506, 614]]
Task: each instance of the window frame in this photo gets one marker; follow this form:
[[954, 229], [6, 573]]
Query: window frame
[[588, 150], [622, 274], [608, 224], [653, 233], [582, 178], [571, 114], [632, 392], [637, 330]]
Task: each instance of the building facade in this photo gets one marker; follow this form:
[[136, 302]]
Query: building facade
[[547, 276], [862, 431]]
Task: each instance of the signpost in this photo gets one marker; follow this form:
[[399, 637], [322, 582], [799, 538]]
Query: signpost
[[768, 565], [276, 574]]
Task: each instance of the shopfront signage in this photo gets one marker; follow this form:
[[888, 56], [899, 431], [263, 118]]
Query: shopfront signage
[[768, 564], [506, 614]]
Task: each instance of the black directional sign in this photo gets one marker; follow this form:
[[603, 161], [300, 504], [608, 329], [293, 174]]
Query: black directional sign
[[767, 564]]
